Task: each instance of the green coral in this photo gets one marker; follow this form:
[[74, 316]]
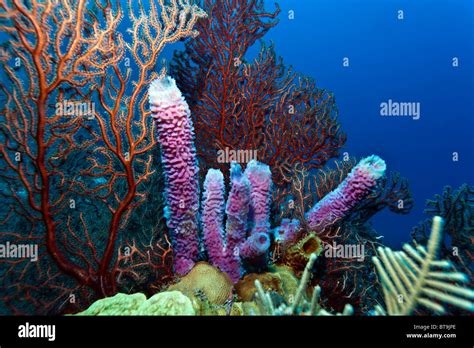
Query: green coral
[[167, 303], [120, 304], [164, 303]]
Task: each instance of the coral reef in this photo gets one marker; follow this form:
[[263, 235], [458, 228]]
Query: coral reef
[[252, 195], [77, 220], [409, 278], [205, 280], [176, 137], [125, 235]]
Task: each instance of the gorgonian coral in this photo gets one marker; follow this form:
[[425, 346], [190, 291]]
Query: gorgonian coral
[[75, 55], [259, 106]]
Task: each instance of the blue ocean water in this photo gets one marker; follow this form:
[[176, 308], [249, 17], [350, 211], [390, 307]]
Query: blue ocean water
[[407, 60]]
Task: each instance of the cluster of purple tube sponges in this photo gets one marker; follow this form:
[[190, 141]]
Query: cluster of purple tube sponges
[[248, 205], [246, 214], [247, 226]]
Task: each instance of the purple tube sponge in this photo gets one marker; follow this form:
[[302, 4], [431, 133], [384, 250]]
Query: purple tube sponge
[[237, 208], [260, 178], [357, 185], [255, 246], [226, 252], [176, 136], [213, 215]]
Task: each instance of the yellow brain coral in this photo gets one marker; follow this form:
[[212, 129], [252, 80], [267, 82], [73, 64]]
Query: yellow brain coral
[[215, 285], [120, 304], [167, 303]]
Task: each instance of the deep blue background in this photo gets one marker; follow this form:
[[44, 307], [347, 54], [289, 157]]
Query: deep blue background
[[407, 60]]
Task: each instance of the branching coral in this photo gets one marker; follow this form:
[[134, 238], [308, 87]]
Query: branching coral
[[415, 277], [70, 54]]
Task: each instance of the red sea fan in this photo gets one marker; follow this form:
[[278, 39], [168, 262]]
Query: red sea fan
[[261, 107]]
